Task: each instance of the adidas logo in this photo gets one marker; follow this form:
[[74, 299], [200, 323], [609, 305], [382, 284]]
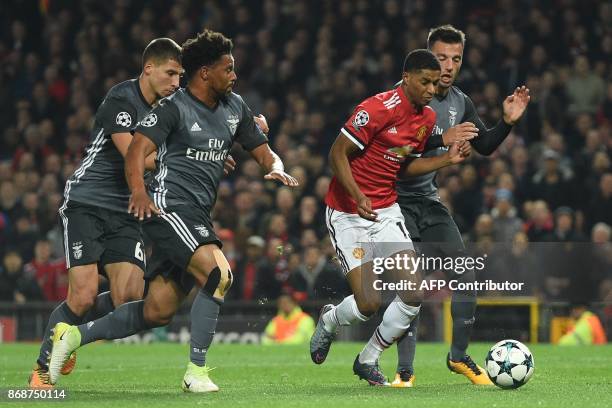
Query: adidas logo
[[392, 130], [195, 127]]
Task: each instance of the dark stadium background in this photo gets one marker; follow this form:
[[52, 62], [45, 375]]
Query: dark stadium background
[[305, 65]]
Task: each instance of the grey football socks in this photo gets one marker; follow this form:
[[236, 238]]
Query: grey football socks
[[406, 348], [204, 316], [126, 320], [103, 306], [463, 308], [61, 313]]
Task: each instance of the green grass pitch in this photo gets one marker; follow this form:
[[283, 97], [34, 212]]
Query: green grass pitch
[[121, 375]]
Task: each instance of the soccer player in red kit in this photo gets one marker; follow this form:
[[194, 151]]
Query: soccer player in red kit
[[382, 138]]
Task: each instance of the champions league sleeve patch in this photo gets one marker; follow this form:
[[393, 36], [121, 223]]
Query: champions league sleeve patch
[[149, 120], [361, 119], [123, 119]]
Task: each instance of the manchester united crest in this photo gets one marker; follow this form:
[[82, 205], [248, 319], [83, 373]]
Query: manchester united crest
[[421, 133], [358, 253]]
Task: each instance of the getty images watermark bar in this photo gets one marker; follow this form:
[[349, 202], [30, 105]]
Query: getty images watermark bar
[[556, 270]]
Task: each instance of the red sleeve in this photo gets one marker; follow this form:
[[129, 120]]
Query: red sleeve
[[368, 118], [430, 122]]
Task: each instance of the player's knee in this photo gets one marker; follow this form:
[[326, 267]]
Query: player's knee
[[123, 296], [156, 316], [81, 300], [412, 297], [368, 307], [128, 293], [219, 281]]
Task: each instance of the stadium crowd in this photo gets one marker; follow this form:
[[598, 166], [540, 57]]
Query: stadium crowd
[[305, 65]]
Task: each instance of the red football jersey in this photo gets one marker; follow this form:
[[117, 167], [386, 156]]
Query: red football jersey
[[387, 129]]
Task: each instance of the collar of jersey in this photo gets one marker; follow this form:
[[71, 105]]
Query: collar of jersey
[[142, 98], [410, 108], [195, 98], [441, 98]]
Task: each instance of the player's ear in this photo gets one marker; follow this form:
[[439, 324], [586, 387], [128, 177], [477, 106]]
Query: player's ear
[[148, 67], [405, 77], [204, 73]]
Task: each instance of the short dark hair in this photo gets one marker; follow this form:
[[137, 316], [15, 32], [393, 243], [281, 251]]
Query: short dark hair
[[421, 59], [205, 49], [161, 50], [447, 34]]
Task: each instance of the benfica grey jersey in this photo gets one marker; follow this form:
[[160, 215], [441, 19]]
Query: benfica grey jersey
[[193, 141], [100, 179], [450, 111]]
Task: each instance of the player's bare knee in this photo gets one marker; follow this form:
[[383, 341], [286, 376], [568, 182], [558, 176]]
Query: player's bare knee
[[411, 298], [82, 288], [368, 307], [129, 293], [155, 315], [81, 300], [120, 297]]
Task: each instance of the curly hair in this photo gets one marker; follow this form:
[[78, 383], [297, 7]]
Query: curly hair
[[205, 49]]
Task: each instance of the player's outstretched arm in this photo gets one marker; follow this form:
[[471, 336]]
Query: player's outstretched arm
[[230, 164], [273, 165], [339, 155], [488, 140], [140, 203], [122, 143], [423, 165]]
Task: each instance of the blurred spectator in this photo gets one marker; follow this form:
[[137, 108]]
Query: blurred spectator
[[505, 222], [516, 261], [550, 184], [585, 89], [468, 203], [229, 247], [601, 262], [51, 275], [564, 230], [317, 278], [25, 236], [290, 326], [16, 285], [277, 228], [600, 208], [483, 229], [539, 225], [254, 279], [8, 199], [275, 268], [246, 215]]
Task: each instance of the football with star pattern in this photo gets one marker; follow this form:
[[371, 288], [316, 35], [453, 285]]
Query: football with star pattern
[[509, 364]]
